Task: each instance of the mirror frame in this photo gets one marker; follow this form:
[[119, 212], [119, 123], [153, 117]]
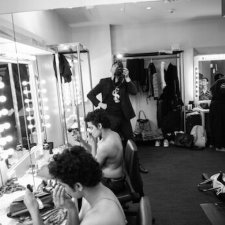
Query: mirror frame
[[198, 59]]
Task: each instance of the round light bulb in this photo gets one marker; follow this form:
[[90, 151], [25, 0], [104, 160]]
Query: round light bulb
[[9, 138], [2, 141], [26, 92], [4, 112], [25, 83], [2, 85], [30, 126], [2, 98], [27, 100], [7, 125], [29, 118], [2, 128]]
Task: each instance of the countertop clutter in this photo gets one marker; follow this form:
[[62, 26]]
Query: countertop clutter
[[11, 193]]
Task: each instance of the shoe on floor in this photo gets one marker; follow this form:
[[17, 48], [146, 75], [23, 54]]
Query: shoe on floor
[[157, 143], [220, 149], [142, 169], [165, 143]]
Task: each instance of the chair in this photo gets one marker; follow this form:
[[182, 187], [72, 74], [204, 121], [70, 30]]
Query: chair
[[133, 178], [131, 163], [141, 213], [145, 212]]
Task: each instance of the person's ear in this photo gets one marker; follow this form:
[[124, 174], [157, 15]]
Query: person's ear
[[78, 187], [99, 126]]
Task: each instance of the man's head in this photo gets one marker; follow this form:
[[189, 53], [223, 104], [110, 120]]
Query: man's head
[[218, 76], [117, 68], [97, 120], [205, 81], [75, 168]]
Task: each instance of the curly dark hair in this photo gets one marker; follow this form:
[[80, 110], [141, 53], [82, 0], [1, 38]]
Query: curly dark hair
[[98, 116], [74, 165]]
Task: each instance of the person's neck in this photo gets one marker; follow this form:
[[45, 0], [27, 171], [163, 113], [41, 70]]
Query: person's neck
[[94, 194], [105, 133], [114, 78], [204, 90]]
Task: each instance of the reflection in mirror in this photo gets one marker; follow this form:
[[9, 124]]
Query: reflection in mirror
[[75, 82], [208, 68], [8, 133], [23, 117]]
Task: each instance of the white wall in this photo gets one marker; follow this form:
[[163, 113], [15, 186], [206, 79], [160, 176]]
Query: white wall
[[43, 25], [97, 40], [199, 33]]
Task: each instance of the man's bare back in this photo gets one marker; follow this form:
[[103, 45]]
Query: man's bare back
[[110, 155], [96, 214]]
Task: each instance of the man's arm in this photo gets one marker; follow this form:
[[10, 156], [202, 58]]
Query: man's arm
[[131, 88], [62, 201], [93, 93], [32, 206], [102, 154], [90, 145]]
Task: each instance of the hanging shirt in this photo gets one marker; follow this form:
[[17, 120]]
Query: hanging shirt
[[162, 73]]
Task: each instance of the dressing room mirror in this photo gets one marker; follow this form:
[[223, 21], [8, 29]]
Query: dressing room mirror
[[74, 83], [63, 97], [207, 68], [26, 70]]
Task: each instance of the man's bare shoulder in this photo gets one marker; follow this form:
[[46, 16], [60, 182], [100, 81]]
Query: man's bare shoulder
[[113, 140], [99, 216]]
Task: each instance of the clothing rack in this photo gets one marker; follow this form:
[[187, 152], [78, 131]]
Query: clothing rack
[[150, 55], [161, 55]]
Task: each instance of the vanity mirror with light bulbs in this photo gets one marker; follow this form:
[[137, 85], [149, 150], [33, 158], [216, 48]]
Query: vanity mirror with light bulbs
[[41, 105], [207, 68]]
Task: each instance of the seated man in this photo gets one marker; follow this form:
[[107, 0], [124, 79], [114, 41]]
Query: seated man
[[79, 175], [108, 151]]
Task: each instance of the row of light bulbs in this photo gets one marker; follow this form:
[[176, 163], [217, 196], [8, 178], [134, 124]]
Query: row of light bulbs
[[4, 126], [27, 100]]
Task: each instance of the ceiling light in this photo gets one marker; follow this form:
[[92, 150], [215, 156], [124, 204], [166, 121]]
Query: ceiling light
[[149, 7], [119, 56]]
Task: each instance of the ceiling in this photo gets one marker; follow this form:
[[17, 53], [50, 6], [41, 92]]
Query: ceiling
[[136, 13]]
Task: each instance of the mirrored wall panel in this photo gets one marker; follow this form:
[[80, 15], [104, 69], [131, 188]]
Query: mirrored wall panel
[[208, 69]]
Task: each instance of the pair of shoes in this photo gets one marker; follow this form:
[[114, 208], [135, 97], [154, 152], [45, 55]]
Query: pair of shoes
[[220, 149], [165, 143], [142, 169], [157, 143]]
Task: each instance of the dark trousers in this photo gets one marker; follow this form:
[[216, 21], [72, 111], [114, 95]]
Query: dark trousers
[[122, 126], [115, 185]]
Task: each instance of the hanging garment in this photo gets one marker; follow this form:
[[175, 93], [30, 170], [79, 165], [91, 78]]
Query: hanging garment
[[136, 70], [155, 81], [64, 68], [169, 106], [162, 74]]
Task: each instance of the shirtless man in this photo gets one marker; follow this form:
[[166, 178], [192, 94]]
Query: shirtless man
[[108, 151], [79, 175]]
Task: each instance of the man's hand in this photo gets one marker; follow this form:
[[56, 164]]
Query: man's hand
[[60, 199], [102, 105], [220, 188], [126, 74], [30, 202]]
